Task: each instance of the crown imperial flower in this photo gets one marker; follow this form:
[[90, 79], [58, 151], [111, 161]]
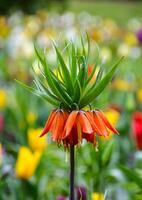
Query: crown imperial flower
[[70, 90], [71, 128]]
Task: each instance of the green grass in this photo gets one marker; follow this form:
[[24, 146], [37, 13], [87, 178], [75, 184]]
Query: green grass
[[119, 11]]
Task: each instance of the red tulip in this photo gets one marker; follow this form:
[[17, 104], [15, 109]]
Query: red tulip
[[137, 128]]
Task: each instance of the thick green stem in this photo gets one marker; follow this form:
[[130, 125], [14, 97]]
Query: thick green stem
[[72, 172]]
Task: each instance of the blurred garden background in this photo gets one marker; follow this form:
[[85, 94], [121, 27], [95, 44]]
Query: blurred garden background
[[33, 168]]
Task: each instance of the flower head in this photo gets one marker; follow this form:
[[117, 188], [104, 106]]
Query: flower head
[[71, 128], [4, 28], [137, 128], [139, 95], [71, 89], [81, 193], [26, 163], [2, 99], [131, 39], [97, 196], [139, 35], [112, 115], [34, 141]]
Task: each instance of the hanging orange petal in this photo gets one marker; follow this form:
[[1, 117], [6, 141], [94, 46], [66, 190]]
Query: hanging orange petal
[[90, 116], [65, 116], [107, 123], [79, 132], [84, 122], [100, 124], [58, 127], [48, 123], [70, 122]]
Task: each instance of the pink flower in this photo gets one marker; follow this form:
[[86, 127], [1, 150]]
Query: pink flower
[[1, 123], [61, 198]]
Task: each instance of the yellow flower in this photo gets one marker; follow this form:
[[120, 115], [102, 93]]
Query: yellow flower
[[97, 35], [36, 142], [139, 95], [122, 85], [97, 196], [113, 116], [31, 117], [131, 39], [4, 29], [27, 162], [2, 99]]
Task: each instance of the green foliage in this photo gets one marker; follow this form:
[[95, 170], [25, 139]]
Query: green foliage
[[97, 170], [132, 175], [107, 153], [73, 87]]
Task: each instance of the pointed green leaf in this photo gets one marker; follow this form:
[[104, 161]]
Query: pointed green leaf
[[97, 80], [65, 71], [77, 93], [88, 42], [94, 68], [44, 89], [30, 89], [73, 65], [83, 72], [62, 91], [54, 86], [39, 94], [107, 152], [83, 48], [99, 87]]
